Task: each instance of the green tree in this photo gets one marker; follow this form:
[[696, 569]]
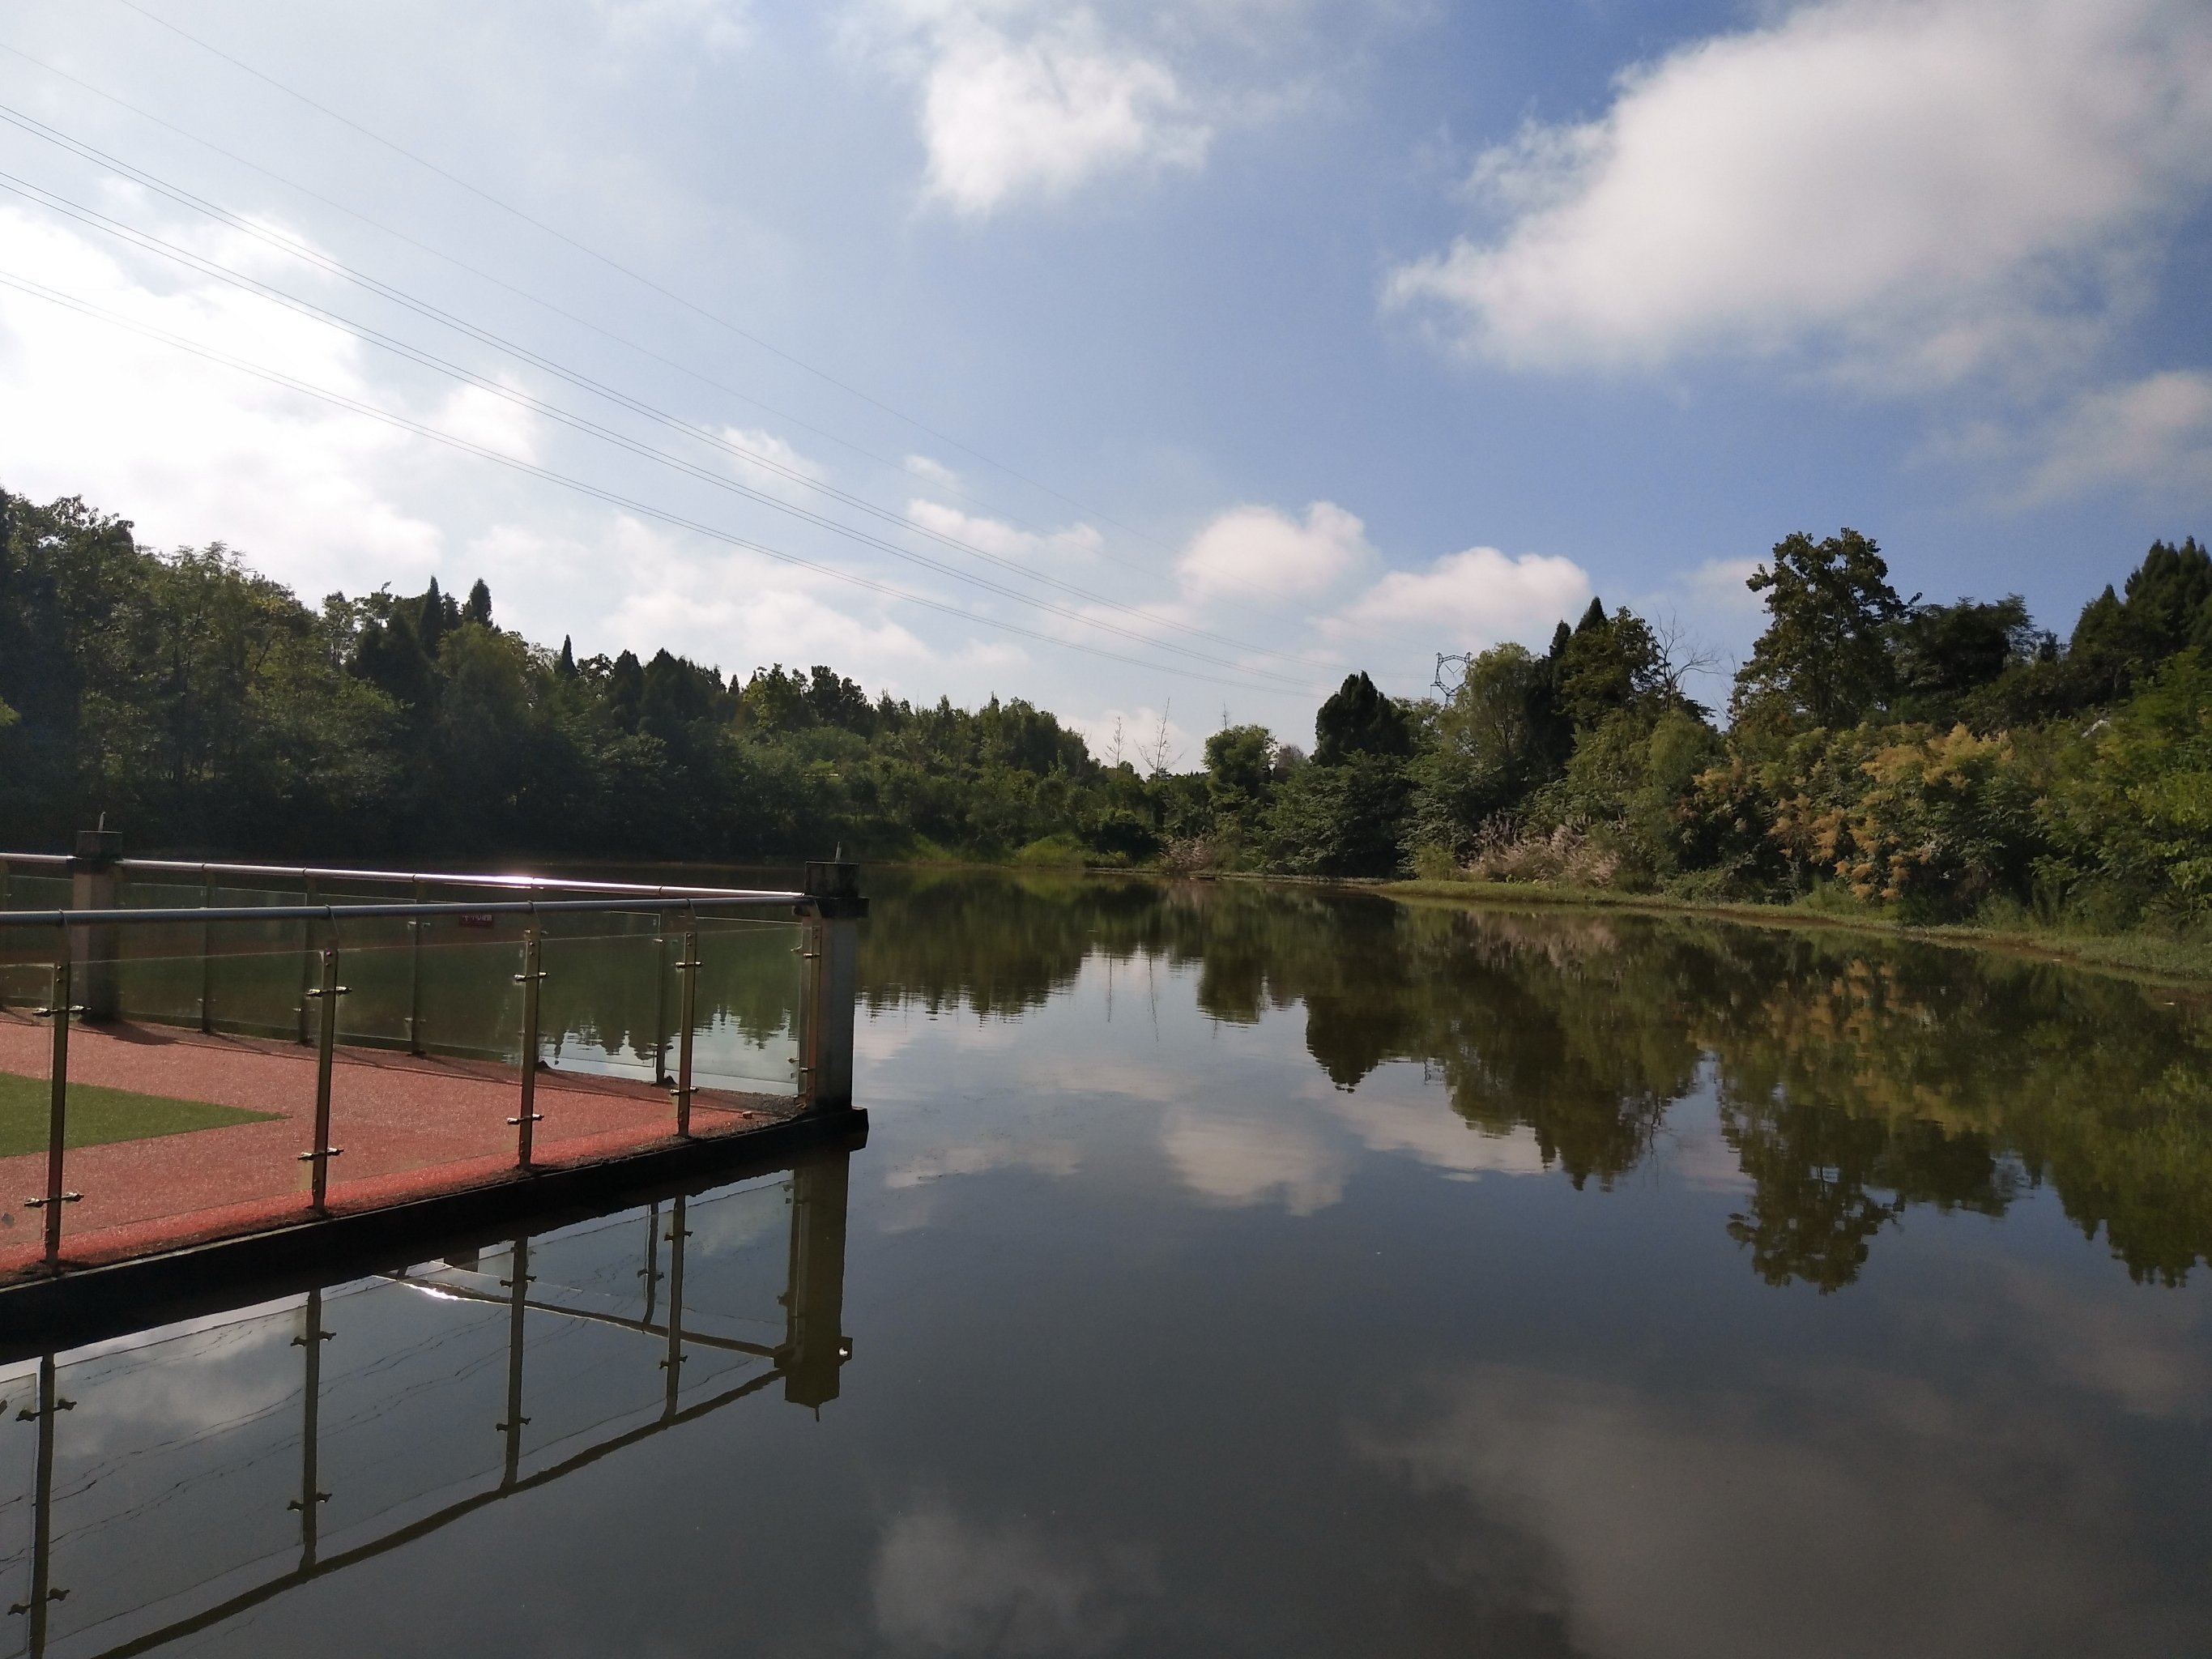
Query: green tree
[[1240, 765], [1497, 737], [1608, 664], [1359, 720], [1826, 658]]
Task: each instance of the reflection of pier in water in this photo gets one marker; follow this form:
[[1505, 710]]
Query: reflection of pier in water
[[157, 1485]]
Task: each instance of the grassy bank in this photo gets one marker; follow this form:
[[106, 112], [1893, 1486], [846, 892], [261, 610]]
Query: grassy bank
[[2141, 952]]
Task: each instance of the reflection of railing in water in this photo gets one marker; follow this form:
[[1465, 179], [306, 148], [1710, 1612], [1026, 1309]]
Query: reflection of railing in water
[[807, 1358]]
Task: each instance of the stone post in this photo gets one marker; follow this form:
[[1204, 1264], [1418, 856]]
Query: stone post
[[835, 910], [92, 949], [815, 1347]]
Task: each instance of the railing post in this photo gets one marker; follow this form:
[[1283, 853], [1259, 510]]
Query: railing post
[[306, 962], [688, 1005], [42, 1510], [57, 1117], [517, 1327], [833, 914], [673, 1365], [814, 1342], [311, 1496], [414, 979], [530, 978], [660, 1000], [651, 1271], [326, 1049], [207, 955], [92, 947]]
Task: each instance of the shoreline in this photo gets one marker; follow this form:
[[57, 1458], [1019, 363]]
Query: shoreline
[[2141, 955], [2136, 956]]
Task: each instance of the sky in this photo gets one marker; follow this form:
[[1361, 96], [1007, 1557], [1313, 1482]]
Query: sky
[[1160, 363]]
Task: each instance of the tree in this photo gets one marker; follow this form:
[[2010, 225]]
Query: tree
[[1826, 658], [478, 608], [1498, 736], [1239, 764], [1609, 663], [1359, 720], [1945, 653], [2119, 641]]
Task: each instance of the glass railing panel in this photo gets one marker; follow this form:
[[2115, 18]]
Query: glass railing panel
[[746, 1017], [152, 1522], [258, 971], [161, 971], [135, 893], [26, 1107], [471, 1003], [414, 1392], [380, 965], [406, 1123], [611, 1265], [19, 1466], [36, 889], [585, 1382], [737, 1261], [607, 1015], [607, 1004], [174, 1135]]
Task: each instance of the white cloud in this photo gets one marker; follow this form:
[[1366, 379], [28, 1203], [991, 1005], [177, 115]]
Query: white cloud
[[1258, 551], [1058, 1158], [996, 536], [1920, 189], [738, 610], [1137, 735], [1688, 1524], [719, 25], [1017, 106], [190, 451], [933, 472], [490, 422], [1717, 594], [944, 1584], [1240, 1161], [764, 459], [1435, 1135], [1478, 596], [2155, 434]]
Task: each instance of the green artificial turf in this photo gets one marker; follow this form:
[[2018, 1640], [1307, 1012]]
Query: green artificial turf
[[99, 1116]]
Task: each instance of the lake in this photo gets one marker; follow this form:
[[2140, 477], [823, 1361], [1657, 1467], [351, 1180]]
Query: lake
[[1245, 1271]]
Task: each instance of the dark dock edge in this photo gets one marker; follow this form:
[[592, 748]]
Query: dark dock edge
[[92, 1305]]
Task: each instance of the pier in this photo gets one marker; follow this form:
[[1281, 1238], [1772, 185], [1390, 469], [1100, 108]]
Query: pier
[[197, 1055]]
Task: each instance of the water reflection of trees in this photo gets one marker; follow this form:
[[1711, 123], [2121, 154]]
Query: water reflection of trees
[[1854, 1079]]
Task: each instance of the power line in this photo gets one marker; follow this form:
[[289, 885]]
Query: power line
[[562, 312], [751, 458], [39, 290], [59, 204], [617, 266]]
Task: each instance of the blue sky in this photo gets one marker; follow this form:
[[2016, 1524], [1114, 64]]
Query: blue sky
[[1284, 336]]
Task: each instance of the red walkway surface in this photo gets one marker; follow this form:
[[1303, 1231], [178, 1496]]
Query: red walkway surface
[[410, 1127]]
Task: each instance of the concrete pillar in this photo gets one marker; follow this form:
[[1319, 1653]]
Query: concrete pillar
[[815, 1348], [92, 876], [835, 910]]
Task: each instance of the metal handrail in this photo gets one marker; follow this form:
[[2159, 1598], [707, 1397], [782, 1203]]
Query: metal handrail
[[149, 916], [450, 878]]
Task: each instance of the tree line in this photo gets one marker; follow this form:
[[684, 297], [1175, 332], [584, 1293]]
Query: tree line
[[1933, 760]]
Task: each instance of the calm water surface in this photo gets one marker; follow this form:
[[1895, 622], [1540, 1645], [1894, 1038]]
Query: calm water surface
[[1251, 1273]]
